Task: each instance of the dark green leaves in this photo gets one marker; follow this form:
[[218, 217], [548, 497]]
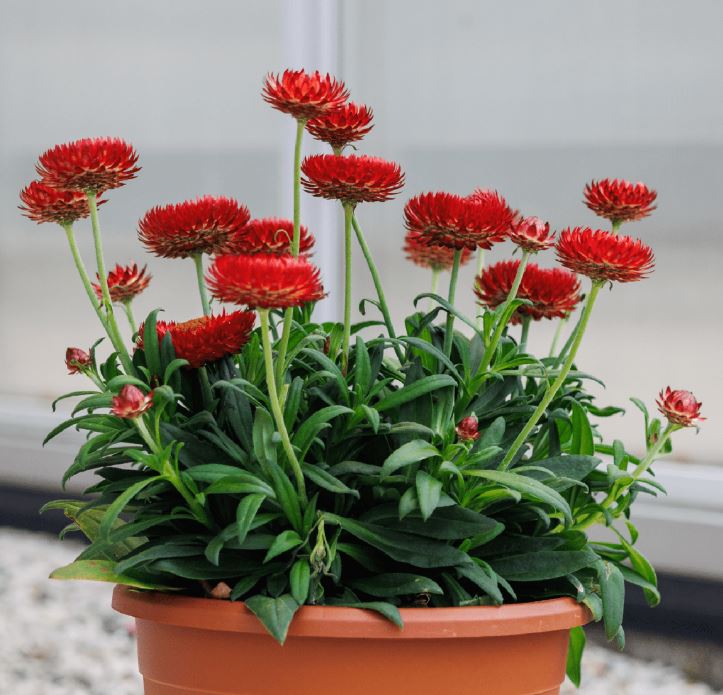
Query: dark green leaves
[[275, 613], [542, 565], [396, 584], [405, 455], [612, 589], [414, 391], [574, 655]]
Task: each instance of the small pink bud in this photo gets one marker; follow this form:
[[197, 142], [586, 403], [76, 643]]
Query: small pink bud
[[77, 360], [131, 402], [680, 407], [467, 429]]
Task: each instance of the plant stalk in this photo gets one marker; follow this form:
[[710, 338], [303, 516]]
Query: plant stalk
[[202, 289], [558, 332], [448, 332], [480, 268], [525, 332], [128, 309], [348, 214]]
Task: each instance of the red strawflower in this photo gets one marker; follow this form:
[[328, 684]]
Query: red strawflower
[[531, 234], [351, 179], [125, 282], [618, 200], [304, 95], [42, 203], [131, 402], [348, 124], [602, 255], [680, 407], [265, 281], [269, 235], [432, 256], [467, 429], [77, 360], [554, 292], [90, 164], [208, 338], [445, 219], [203, 225]]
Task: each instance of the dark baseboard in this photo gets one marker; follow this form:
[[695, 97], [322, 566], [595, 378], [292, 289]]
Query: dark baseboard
[[20, 508]]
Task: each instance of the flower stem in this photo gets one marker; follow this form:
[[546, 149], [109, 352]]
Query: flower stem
[[448, 332], [202, 290], [377, 285], [348, 215], [129, 315], [616, 226], [106, 301], [276, 406], [525, 331], [555, 386], [435, 285], [556, 338], [80, 266], [480, 268]]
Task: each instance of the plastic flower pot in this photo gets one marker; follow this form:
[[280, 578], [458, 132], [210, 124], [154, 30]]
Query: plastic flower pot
[[209, 647]]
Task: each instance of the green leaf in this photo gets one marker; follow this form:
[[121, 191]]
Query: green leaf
[[574, 655], [286, 540], [582, 441], [109, 518], [304, 436], [299, 580], [276, 614], [543, 565], [150, 344], [101, 571], [327, 481], [387, 610], [492, 436], [430, 349], [483, 580], [240, 482], [428, 491], [262, 435], [246, 513], [418, 388], [395, 584], [612, 590], [405, 455], [362, 369]]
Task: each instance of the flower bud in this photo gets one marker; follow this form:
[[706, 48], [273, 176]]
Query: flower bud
[[131, 402], [680, 407], [77, 360], [467, 429]]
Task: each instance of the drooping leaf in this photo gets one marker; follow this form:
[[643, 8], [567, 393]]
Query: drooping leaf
[[102, 571], [396, 584], [276, 614], [575, 649]]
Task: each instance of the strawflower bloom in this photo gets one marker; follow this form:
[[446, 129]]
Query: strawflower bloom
[[88, 165], [351, 179], [265, 281], [304, 95], [269, 235], [208, 338], [203, 225], [348, 124], [125, 282], [467, 429], [603, 256], [77, 360], [432, 256], [619, 200], [42, 203], [554, 292], [445, 219], [531, 234], [131, 402], [680, 407]]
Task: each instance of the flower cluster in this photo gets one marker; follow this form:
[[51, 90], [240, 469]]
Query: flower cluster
[[269, 235]]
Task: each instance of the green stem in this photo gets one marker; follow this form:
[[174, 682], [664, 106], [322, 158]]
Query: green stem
[[555, 386], [202, 289], [80, 266], [525, 331], [556, 338], [106, 302], [348, 215], [276, 406], [448, 333], [435, 284], [129, 315], [616, 226], [378, 286], [480, 268]]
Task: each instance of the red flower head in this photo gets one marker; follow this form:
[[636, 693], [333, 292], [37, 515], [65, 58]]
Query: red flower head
[[444, 219], [42, 203], [427, 255], [680, 407], [620, 201], [467, 429], [208, 338], [351, 179], [603, 255], [125, 282], [90, 164], [131, 402], [203, 225], [554, 292], [304, 95], [531, 234], [348, 124], [269, 235], [265, 281], [77, 360]]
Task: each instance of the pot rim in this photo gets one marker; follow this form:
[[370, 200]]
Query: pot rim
[[549, 615]]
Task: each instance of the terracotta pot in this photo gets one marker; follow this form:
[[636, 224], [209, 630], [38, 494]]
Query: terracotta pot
[[208, 647]]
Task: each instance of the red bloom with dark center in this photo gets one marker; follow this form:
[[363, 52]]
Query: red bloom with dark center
[[204, 225], [125, 282], [467, 429], [427, 255], [680, 407], [531, 234], [208, 338], [348, 124], [554, 292], [90, 164], [445, 219], [43, 203], [602, 255], [351, 179], [265, 281], [304, 95], [77, 360], [269, 235], [131, 402], [618, 200]]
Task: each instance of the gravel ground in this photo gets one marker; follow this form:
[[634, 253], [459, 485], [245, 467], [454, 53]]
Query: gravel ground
[[62, 638]]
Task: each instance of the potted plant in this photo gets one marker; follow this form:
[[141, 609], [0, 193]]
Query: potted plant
[[400, 506]]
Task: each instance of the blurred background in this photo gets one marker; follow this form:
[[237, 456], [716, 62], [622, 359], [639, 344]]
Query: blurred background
[[531, 98]]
